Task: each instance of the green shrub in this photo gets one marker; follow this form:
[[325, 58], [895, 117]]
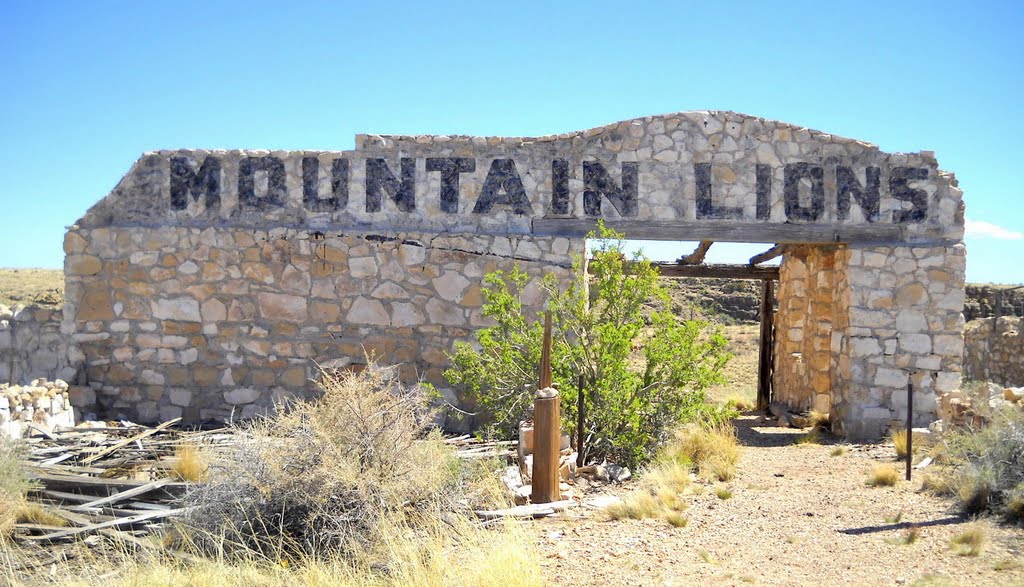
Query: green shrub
[[988, 464], [632, 403]]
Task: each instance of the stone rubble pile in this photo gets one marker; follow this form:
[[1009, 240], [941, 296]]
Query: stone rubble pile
[[46, 404], [975, 407]]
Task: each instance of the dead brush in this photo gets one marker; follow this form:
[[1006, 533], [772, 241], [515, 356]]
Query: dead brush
[[330, 476], [189, 464], [13, 484]]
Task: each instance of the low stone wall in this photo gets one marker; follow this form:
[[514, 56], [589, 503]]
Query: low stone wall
[[32, 345], [994, 351], [222, 323]]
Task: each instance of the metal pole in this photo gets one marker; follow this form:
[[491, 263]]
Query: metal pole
[[581, 406], [910, 426]]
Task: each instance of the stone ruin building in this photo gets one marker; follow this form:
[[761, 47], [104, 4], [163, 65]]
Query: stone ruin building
[[210, 284]]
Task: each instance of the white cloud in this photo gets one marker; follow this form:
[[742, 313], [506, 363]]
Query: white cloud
[[980, 228]]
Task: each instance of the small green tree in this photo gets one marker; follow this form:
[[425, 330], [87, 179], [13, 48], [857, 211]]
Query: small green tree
[[644, 370]]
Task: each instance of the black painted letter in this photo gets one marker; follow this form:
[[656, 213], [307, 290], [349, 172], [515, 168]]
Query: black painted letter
[[276, 189], [311, 186], [185, 183], [559, 186], [764, 191], [899, 187], [705, 207], [450, 168], [867, 197], [502, 177], [379, 179], [597, 182], [794, 172]]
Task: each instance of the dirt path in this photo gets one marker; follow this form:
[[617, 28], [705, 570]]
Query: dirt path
[[797, 516]]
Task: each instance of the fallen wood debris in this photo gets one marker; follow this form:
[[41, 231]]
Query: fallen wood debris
[[112, 479]]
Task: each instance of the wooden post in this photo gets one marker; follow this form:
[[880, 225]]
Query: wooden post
[[764, 370], [547, 428], [546, 441], [545, 354]]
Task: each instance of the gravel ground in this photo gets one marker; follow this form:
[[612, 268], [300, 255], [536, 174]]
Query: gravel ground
[[797, 516]]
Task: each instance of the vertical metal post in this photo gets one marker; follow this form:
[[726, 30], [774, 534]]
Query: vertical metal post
[[910, 426], [581, 406]]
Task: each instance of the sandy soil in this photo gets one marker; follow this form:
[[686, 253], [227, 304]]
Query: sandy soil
[[797, 516]]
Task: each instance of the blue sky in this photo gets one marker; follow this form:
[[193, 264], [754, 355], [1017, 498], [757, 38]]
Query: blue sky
[[86, 87]]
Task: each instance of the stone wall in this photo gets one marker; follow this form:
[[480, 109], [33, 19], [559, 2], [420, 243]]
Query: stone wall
[[208, 283], [807, 308], [31, 345], [994, 351], [904, 324], [220, 322]]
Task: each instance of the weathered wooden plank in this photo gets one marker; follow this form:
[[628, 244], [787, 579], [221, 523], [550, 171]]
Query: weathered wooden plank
[[123, 495], [537, 510], [127, 441], [721, 271], [697, 256], [765, 347], [717, 230], [109, 524], [771, 253], [58, 482]]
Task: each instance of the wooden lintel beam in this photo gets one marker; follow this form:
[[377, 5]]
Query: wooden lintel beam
[[720, 271], [771, 253], [698, 254], [726, 231]]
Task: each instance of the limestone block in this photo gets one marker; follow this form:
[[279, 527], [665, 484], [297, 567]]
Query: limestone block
[[440, 312], [450, 285], [241, 395], [274, 306], [368, 311], [183, 309], [887, 377], [362, 267], [405, 314]]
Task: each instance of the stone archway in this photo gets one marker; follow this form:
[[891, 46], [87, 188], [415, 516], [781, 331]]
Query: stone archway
[[208, 282]]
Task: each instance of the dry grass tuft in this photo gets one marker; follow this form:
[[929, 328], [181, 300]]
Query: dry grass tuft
[[899, 442], [936, 484], [910, 536], [1015, 503], [33, 513], [741, 404], [883, 476], [820, 420], [714, 450], [189, 464], [970, 542], [723, 493], [13, 484], [813, 437], [838, 451], [676, 520]]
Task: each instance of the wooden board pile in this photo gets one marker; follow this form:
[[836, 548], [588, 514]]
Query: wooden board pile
[[112, 480]]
